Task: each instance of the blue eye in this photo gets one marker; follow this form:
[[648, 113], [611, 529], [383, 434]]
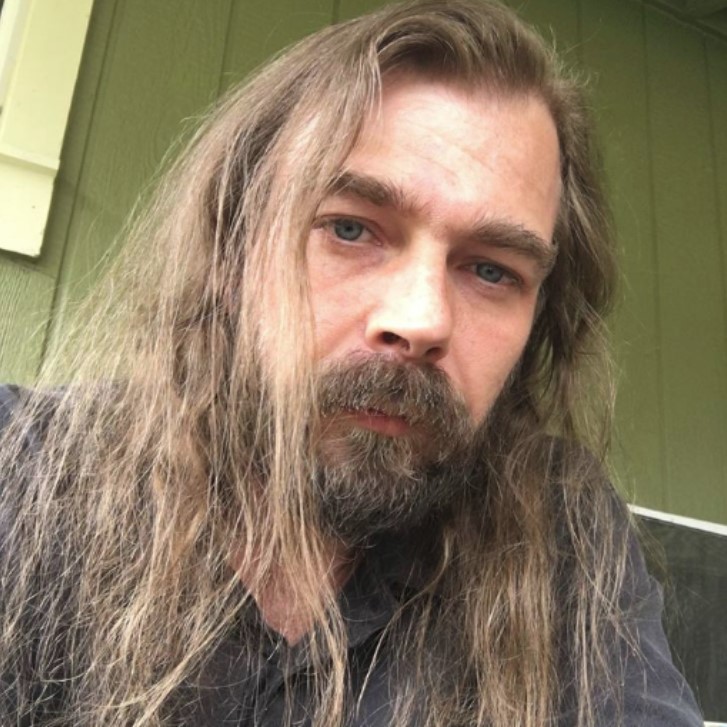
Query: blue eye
[[490, 273], [348, 230]]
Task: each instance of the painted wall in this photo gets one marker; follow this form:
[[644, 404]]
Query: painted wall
[[660, 89]]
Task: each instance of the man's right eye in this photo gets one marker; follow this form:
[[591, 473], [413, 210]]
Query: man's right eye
[[348, 230]]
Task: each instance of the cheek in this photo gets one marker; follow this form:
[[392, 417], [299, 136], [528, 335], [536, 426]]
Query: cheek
[[337, 310], [487, 356]]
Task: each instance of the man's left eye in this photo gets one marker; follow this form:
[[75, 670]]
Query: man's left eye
[[491, 273], [348, 230]]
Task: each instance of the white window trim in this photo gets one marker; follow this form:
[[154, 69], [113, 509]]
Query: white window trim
[[41, 42], [687, 522]]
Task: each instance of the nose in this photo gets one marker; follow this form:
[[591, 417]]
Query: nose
[[412, 319]]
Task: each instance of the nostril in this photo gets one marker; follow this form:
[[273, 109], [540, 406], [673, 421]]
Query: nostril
[[389, 338]]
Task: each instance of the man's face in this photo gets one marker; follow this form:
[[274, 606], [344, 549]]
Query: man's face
[[431, 251]]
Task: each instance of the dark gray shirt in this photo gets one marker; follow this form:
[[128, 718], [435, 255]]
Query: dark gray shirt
[[234, 688], [233, 693]]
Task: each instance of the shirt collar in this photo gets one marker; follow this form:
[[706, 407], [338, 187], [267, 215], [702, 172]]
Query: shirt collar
[[390, 571]]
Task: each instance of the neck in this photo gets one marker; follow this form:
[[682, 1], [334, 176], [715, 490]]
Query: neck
[[279, 598]]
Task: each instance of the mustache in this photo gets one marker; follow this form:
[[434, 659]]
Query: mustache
[[420, 393]]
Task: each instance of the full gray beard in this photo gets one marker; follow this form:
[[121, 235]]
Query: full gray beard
[[369, 483]]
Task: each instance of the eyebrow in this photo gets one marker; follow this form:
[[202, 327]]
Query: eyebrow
[[499, 233], [372, 189], [520, 240]]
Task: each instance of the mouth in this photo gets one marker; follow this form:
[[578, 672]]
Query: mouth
[[379, 421]]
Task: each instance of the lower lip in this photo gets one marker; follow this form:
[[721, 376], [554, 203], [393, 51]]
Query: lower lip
[[391, 426]]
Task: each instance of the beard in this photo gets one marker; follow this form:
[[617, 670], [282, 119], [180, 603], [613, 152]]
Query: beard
[[368, 483]]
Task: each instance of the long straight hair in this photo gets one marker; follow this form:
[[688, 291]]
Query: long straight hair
[[130, 492]]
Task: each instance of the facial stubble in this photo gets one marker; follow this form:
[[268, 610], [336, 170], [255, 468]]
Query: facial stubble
[[368, 482]]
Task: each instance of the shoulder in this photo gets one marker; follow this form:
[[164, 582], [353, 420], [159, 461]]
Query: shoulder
[[10, 396], [599, 541], [15, 442], [655, 691], [24, 418]]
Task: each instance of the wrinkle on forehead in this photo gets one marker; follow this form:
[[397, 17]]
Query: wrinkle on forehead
[[425, 139]]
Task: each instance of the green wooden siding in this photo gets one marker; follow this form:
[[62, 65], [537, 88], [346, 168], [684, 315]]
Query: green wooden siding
[[150, 69], [616, 42]]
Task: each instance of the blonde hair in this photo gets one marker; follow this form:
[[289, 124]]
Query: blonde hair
[[145, 470]]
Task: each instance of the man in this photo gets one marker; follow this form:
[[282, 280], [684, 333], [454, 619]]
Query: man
[[331, 466]]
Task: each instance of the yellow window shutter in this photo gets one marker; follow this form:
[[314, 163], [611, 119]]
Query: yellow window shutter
[[40, 51]]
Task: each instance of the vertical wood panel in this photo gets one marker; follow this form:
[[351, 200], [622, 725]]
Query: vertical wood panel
[[717, 72], [258, 29], [163, 66], [25, 299], [557, 20], [694, 350], [614, 53], [348, 9]]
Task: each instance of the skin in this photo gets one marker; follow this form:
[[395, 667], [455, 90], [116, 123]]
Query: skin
[[436, 249], [432, 252]]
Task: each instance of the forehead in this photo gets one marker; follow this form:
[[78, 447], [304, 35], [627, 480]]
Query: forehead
[[474, 118], [462, 153]]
